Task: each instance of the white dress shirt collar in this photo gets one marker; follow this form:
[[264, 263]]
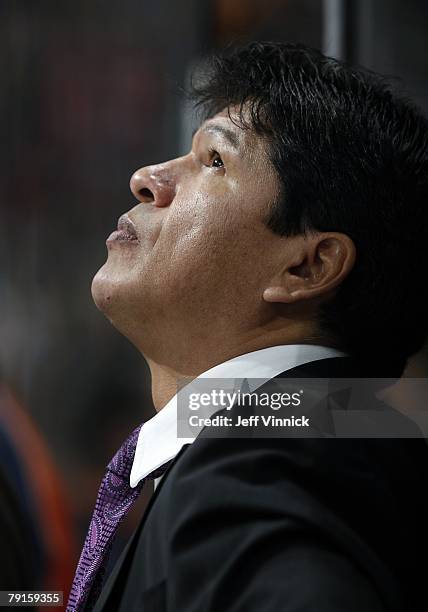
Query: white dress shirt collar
[[158, 441]]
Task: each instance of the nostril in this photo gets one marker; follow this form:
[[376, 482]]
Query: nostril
[[146, 195]]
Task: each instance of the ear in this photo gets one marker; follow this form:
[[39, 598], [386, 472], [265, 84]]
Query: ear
[[315, 265]]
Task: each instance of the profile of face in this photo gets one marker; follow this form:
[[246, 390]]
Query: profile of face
[[194, 263]]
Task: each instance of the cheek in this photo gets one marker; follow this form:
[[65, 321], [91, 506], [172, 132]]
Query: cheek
[[196, 238], [209, 255]]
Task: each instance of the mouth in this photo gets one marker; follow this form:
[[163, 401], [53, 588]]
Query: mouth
[[125, 233]]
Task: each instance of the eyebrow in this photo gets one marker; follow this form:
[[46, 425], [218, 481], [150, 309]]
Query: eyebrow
[[228, 134]]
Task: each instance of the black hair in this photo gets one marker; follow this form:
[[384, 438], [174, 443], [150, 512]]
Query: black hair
[[352, 157]]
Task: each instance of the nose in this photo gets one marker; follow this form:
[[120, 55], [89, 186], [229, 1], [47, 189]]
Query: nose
[[153, 185]]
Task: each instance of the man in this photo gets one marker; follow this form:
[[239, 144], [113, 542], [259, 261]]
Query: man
[[289, 242]]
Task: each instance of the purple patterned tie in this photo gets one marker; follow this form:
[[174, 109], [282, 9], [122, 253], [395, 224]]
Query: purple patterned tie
[[115, 497]]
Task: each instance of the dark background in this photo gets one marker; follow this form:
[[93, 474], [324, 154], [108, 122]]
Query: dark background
[[90, 91]]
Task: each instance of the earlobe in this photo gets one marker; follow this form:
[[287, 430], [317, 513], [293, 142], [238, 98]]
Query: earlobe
[[276, 294]]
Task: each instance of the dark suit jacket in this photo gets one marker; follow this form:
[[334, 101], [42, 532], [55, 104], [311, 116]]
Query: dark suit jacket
[[282, 525]]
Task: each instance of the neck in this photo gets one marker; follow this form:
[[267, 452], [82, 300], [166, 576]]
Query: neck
[[166, 379], [164, 384]]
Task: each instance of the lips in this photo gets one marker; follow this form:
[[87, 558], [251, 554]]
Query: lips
[[125, 232]]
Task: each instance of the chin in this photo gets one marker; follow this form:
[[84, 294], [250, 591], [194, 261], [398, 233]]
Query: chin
[[116, 297], [104, 291]]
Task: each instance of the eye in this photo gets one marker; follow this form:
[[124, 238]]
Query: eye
[[215, 159]]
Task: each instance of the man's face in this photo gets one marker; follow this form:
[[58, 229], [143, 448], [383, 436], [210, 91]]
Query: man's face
[[197, 257]]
